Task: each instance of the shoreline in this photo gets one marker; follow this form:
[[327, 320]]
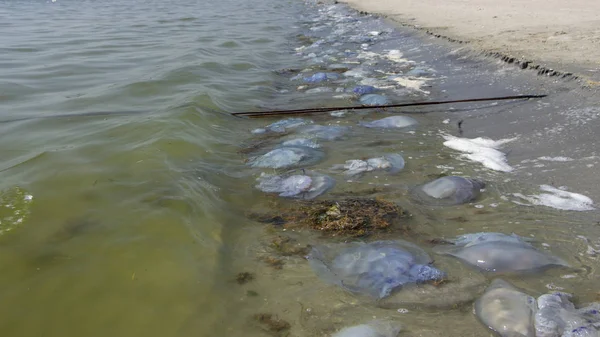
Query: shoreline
[[554, 41], [562, 124]]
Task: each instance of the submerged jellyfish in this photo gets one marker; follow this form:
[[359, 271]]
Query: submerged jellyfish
[[308, 185], [450, 190], [557, 316], [419, 72], [467, 240], [373, 99], [391, 163], [288, 186], [323, 132], [301, 142], [391, 122], [375, 269], [506, 310], [363, 89], [287, 157], [320, 77], [319, 90], [282, 125], [316, 78], [371, 329], [498, 253]]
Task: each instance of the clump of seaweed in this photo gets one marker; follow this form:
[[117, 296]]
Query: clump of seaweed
[[353, 217], [244, 277], [273, 324]]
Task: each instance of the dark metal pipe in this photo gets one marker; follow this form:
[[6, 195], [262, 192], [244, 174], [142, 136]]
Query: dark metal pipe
[[254, 114]]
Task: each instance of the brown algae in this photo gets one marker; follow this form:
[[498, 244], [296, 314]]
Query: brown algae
[[351, 217]]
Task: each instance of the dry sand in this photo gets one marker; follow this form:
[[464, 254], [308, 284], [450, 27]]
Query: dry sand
[[563, 35]]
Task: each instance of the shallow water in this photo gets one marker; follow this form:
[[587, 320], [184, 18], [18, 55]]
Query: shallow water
[[130, 192]]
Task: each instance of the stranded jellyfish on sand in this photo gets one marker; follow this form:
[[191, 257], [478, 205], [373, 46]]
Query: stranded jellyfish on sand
[[374, 269]]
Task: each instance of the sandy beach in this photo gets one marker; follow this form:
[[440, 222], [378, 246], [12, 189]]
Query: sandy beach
[[550, 36]]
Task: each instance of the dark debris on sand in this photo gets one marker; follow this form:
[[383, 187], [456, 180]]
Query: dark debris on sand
[[244, 277], [281, 246], [273, 324], [287, 246]]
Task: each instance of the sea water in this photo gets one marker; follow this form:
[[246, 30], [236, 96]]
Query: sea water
[[125, 187]]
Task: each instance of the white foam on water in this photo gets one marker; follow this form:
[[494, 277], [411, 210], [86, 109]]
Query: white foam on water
[[414, 83], [481, 150], [395, 55], [367, 55], [557, 198], [556, 158]]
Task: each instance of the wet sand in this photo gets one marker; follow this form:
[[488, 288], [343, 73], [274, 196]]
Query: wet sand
[[551, 36]]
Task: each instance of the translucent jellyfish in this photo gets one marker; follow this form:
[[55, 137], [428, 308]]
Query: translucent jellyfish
[[373, 99], [391, 122], [450, 190], [301, 142], [463, 289], [470, 239], [357, 72], [557, 317], [319, 90], [287, 157], [419, 72], [323, 132], [371, 329], [320, 77], [501, 255], [308, 185], [391, 163], [282, 125], [363, 89], [285, 186], [374, 269], [316, 78], [506, 310]]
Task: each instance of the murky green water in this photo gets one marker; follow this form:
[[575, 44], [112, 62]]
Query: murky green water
[[126, 196]]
